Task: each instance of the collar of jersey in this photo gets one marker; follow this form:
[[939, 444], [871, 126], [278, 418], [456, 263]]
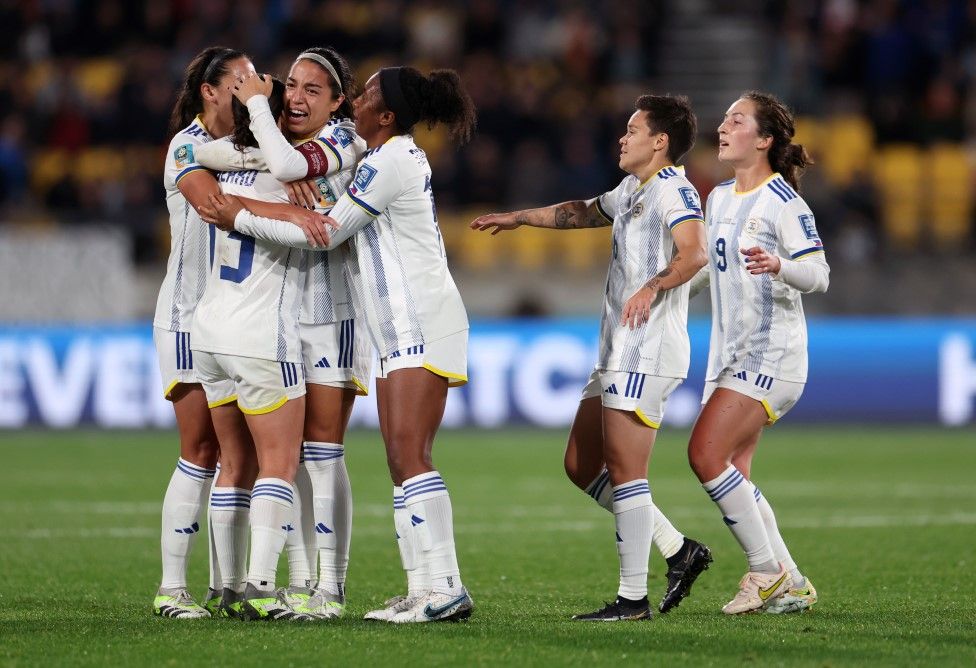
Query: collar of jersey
[[199, 120], [641, 186], [749, 192]]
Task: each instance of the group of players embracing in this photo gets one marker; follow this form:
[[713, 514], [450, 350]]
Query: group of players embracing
[[323, 252]]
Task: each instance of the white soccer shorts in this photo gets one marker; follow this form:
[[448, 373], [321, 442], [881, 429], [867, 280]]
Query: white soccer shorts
[[338, 354], [639, 393], [447, 357], [175, 359], [776, 396], [258, 386]]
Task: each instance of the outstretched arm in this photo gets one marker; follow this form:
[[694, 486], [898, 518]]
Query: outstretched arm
[[689, 257], [573, 215]]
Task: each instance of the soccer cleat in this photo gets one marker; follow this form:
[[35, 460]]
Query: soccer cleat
[[230, 605], [212, 603], [324, 605], [796, 599], [691, 560], [178, 605], [393, 606], [295, 597], [437, 607], [621, 610], [758, 590], [269, 606]]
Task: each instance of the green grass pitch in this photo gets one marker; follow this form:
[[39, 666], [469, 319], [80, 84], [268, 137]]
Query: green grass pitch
[[882, 519]]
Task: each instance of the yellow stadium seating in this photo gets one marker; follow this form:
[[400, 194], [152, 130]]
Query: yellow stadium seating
[[898, 172], [949, 196], [846, 147]]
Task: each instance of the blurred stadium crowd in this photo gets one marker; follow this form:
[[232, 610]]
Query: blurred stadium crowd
[[883, 90]]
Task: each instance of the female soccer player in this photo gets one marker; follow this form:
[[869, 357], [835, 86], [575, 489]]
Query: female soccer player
[[246, 331], [413, 311], [337, 356], [202, 112], [658, 246], [764, 252]]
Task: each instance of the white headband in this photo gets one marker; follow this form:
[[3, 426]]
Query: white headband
[[308, 55]]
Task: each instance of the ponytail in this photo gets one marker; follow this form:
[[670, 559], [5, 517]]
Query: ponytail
[[209, 66], [438, 98], [242, 135], [775, 120]]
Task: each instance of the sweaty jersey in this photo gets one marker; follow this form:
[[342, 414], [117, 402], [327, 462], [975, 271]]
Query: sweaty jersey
[[251, 305], [404, 289], [757, 321], [186, 268], [644, 215]]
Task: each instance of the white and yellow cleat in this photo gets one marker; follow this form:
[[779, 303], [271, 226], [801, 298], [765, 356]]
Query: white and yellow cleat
[[437, 607], [324, 605], [178, 604], [394, 606], [757, 591], [796, 599]]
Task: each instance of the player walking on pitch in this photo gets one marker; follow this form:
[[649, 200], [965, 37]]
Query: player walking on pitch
[[658, 246], [764, 251]]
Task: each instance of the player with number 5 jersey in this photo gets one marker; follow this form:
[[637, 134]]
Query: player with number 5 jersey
[[764, 252]]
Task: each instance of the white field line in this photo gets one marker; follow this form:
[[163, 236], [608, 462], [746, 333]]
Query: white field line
[[565, 526]]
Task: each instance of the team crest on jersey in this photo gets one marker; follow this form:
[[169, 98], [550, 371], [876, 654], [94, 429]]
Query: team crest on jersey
[[752, 227], [638, 210], [342, 136], [809, 226], [326, 196], [183, 156], [691, 198], [363, 177]]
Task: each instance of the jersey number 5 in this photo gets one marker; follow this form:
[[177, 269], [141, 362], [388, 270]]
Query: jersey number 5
[[243, 269], [722, 262]]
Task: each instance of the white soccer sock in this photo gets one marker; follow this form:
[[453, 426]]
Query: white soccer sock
[[216, 581], [667, 539], [185, 495], [326, 464], [741, 514], [230, 508], [776, 541], [300, 539], [634, 517], [271, 511], [429, 506], [418, 580]]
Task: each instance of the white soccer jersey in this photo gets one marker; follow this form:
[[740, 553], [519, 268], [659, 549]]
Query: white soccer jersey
[[187, 267], [643, 215], [402, 282], [251, 305], [757, 321]]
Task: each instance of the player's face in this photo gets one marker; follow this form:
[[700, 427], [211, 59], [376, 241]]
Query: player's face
[[638, 143], [308, 98], [367, 109], [223, 94], [738, 135]]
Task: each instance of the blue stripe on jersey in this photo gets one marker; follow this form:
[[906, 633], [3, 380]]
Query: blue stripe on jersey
[[783, 191], [802, 253], [332, 148], [599, 207], [725, 183], [186, 171], [691, 216], [362, 204]]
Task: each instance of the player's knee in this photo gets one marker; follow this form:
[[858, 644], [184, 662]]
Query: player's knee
[[700, 459], [201, 449], [405, 462], [236, 472]]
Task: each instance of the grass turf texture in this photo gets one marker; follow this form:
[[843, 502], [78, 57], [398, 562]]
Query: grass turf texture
[[883, 520]]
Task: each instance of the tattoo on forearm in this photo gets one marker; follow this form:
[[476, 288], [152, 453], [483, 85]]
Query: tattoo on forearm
[[576, 215], [664, 273], [521, 218]]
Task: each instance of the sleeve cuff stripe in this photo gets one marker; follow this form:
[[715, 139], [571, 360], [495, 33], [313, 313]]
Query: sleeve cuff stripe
[[187, 171], [334, 152], [684, 219], [599, 207], [363, 205], [808, 251]]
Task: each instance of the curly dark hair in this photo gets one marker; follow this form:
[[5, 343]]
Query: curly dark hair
[[776, 120], [242, 135]]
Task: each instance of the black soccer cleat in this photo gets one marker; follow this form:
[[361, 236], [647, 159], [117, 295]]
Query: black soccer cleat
[[621, 610], [683, 569]]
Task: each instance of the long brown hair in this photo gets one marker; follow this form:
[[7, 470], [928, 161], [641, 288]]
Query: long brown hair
[[776, 120], [209, 66]]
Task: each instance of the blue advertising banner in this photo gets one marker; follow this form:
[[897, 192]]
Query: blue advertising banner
[[521, 372]]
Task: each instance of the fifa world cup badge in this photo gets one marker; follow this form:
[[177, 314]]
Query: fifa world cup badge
[[183, 155]]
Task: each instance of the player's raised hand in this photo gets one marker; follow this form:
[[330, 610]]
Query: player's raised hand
[[221, 210], [317, 227], [758, 261], [496, 222], [251, 84], [303, 193], [637, 310]]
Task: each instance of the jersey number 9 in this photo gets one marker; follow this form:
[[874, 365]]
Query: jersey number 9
[[722, 262]]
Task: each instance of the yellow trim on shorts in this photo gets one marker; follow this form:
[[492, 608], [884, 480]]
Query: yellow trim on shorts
[[458, 380], [169, 389], [769, 411], [646, 420], [267, 409], [222, 402], [362, 389]]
